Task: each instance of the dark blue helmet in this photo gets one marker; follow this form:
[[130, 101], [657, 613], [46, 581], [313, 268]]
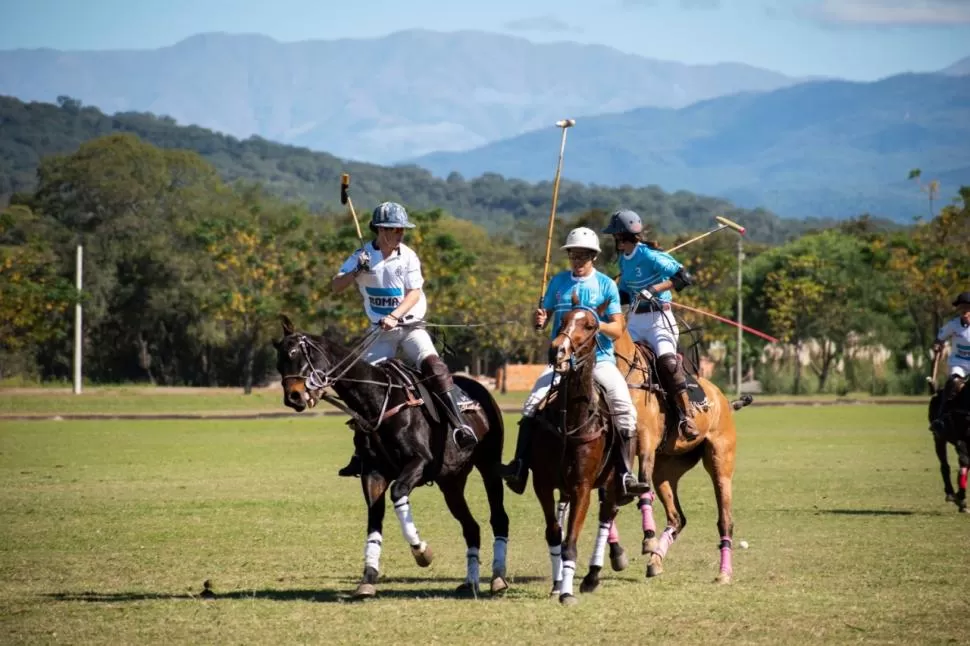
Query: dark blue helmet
[[624, 221]]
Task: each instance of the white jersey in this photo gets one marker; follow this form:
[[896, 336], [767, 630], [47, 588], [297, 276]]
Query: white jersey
[[960, 348], [384, 286]]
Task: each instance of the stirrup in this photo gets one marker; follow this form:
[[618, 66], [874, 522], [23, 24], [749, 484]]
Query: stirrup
[[632, 486], [464, 436]]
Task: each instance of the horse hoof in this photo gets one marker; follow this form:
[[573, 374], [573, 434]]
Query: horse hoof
[[723, 578], [556, 589], [963, 510], [365, 591], [499, 586], [423, 557], [650, 545], [568, 600], [951, 497], [619, 561], [467, 589], [589, 584], [655, 569]]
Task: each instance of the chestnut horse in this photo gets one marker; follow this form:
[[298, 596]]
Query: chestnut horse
[[577, 444], [665, 456]]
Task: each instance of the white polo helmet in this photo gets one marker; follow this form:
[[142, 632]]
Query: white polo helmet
[[582, 238]]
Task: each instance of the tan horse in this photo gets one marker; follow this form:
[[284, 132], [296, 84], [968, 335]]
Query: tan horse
[[665, 457]]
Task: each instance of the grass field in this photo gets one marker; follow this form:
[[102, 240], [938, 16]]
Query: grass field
[[148, 400], [110, 527]]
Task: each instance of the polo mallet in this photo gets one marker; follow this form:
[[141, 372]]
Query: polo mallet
[[931, 380], [565, 124], [724, 224], [345, 200]]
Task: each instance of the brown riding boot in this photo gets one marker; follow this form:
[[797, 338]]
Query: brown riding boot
[[686, 426]]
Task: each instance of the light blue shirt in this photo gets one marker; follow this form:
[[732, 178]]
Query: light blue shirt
[[644, 267], [592, 291]]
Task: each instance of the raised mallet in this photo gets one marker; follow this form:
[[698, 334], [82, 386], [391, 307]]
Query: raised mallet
[[723, 223], [565, 124], [345, 199]]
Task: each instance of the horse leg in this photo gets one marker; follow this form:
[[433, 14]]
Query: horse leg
[[939, 443], [547, 500], [719, 463], [579, 500], [453, 490], [499, 521], [669, 470], [607, 515], [410, 475], [618, 559], [374, 486], [963, 453], [645, 503]]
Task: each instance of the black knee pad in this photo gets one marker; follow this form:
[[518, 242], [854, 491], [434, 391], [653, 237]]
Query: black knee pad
[[436, 371], [671, 367]]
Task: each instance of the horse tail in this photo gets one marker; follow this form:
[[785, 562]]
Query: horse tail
[[745, 400], [494, 441]]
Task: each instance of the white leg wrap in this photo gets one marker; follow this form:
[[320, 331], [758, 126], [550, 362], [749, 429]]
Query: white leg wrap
[[568, 572], [555, 557], [599, 549], [372, 550], [403, 510], [471, 565], [499, 548]]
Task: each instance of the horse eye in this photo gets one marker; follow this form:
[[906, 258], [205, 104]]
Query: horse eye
[[292, 352]]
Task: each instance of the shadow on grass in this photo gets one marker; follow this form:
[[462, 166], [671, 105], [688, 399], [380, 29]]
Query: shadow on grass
[[324, 595], [876, 512]]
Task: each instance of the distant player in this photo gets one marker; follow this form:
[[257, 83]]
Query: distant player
[[957, 329]]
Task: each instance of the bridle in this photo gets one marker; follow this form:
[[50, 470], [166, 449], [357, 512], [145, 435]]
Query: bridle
[[581, 347]]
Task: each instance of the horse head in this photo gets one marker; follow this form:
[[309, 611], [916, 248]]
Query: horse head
[[575, 341], [300, 360]]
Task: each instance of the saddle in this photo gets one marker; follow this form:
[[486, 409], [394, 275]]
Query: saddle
[[418, 394], [696, 394]]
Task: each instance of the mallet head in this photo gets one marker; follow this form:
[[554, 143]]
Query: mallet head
[[729, 224], [565, 123], [344, 187]]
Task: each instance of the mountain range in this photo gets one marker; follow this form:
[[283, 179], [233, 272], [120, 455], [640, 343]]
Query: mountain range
[[380, 100], [822, 148]]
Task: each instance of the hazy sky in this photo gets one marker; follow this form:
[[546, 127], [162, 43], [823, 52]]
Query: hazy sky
[[856, 39]]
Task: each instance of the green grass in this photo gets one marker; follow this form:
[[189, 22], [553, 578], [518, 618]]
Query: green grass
[[148, 400], [109, 528]]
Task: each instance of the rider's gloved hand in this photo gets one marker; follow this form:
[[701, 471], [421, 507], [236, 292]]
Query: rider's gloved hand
[[363, 262]]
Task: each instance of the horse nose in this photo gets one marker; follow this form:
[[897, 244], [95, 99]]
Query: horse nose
[[295, 398]]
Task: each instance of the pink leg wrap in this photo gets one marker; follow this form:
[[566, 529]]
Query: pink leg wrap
[[726, 556], [646, 511], [962, 479], [666, 540], [614, 536]]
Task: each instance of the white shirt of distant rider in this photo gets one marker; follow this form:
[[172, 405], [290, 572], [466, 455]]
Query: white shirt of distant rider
[[960, 350], [384, 286]]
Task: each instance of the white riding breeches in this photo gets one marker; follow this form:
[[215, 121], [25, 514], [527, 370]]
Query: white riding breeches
[[415, 343], [606, 375], [659, 329]]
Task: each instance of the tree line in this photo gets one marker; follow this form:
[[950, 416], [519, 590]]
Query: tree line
[[185, 276]]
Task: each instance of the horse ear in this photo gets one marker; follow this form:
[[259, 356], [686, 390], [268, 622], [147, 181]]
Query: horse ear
[[575, 298], [601, 310], [287, 324]]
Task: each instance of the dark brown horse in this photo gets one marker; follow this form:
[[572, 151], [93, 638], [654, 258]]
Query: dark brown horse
[[575, 447], [665, 456], [956, 431], [402, 444]]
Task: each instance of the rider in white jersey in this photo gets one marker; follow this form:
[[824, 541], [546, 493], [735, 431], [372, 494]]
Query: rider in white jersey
[[593, 289], [388, 275], [647, 274], [956, 330]]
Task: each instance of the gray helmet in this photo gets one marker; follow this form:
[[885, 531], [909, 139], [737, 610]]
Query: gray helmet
[[391, 215], [624, 221]]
